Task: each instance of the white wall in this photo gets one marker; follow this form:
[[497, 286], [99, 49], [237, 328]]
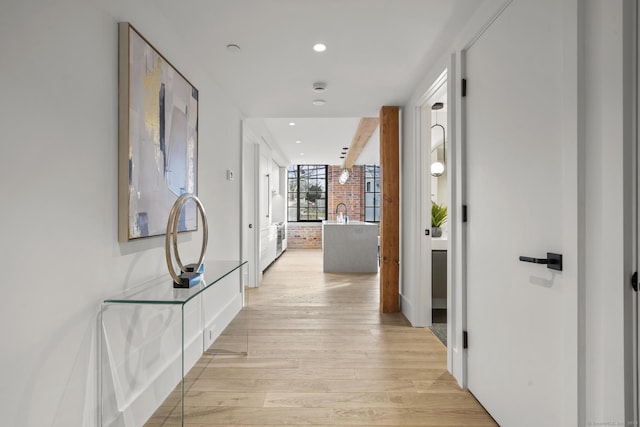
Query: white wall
[[58, 168], [410, 218]]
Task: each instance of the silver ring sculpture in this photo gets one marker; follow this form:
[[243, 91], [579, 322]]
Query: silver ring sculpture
[[171, 238]]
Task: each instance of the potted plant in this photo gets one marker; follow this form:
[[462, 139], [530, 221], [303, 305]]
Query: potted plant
[[438, 217]]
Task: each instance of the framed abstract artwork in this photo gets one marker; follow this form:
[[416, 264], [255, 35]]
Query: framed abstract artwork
[[158, 139]]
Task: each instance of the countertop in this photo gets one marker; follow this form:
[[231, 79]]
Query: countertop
[[439, 243], [333, 222]]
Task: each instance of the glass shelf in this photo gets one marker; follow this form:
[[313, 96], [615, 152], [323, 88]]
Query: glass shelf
[[114, 388], [161, 291]]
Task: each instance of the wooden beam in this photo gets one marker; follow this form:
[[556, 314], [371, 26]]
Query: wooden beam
[[366, 127], [390, 210]]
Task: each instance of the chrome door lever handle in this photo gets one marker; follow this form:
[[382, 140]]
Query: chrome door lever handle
[[553, 261]]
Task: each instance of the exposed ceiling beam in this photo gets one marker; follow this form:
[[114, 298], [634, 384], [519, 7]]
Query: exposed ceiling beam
[[366, 127]]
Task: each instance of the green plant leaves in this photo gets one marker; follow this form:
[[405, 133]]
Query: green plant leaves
[[438, 214]]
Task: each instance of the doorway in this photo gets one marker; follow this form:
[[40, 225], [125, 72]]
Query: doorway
[[437, 169], [433, 192]]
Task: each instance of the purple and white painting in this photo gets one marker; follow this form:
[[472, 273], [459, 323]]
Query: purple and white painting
[[162, 140]]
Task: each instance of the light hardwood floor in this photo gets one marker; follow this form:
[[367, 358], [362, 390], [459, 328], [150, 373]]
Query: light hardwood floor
[[320, 353]]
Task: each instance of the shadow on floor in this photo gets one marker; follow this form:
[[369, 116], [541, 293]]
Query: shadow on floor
[[439, 324]]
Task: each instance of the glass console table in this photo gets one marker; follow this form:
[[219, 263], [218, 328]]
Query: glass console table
[[158, 292]]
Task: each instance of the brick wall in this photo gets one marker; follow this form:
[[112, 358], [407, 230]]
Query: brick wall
[[304, 235], [350, 193], [308, 235]]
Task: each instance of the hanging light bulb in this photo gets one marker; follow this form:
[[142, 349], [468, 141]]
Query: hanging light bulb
[[437, 167], [344, 176]]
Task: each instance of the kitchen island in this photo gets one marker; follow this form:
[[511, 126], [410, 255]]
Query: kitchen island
[[350, 247]]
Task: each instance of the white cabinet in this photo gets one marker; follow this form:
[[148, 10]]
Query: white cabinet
[[264, 196], [278, 195], [264, 172], [275, 178], [268, 243], [283, 182], [272, 199]]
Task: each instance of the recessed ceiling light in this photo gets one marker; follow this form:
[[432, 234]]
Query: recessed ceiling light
[[319, 102], [319, 47], [302, 154], [298, 142], [292, 124], [234, 48]]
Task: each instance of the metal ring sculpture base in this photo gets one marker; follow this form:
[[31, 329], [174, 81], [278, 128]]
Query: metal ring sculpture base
[[191, 273]]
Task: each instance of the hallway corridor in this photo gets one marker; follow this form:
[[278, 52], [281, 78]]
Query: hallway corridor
[[320, 353]]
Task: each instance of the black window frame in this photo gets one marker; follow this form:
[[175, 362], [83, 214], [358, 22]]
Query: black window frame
[[376, 199], [297, 192]]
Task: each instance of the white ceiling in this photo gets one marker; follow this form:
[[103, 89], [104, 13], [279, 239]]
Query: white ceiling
[[322, 139], [377, 53]]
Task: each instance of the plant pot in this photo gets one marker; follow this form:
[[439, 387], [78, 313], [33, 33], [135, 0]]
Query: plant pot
[[436, 232]]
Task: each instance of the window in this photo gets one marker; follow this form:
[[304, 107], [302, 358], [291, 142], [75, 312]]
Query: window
[[372, 193], [307, 193]]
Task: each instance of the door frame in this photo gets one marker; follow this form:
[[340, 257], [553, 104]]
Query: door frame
[[423, 302], [635, 222], [250, 153], [422, 112]]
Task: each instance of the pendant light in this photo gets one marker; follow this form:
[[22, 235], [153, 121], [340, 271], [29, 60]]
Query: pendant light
[[344, 176], [437, 167]]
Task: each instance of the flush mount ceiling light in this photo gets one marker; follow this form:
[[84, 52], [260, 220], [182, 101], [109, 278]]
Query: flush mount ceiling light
[[319, 102], [437, 167], [344, 176], [319, 47], [319, 87], [233, 48], [292, 124]]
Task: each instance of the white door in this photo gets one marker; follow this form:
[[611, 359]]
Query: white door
[[515, 208]]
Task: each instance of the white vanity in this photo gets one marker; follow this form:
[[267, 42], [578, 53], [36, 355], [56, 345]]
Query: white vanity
[[350, 247]]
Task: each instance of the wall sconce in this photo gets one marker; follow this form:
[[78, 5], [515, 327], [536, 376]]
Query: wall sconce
[[437, 167], [344, 176]]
